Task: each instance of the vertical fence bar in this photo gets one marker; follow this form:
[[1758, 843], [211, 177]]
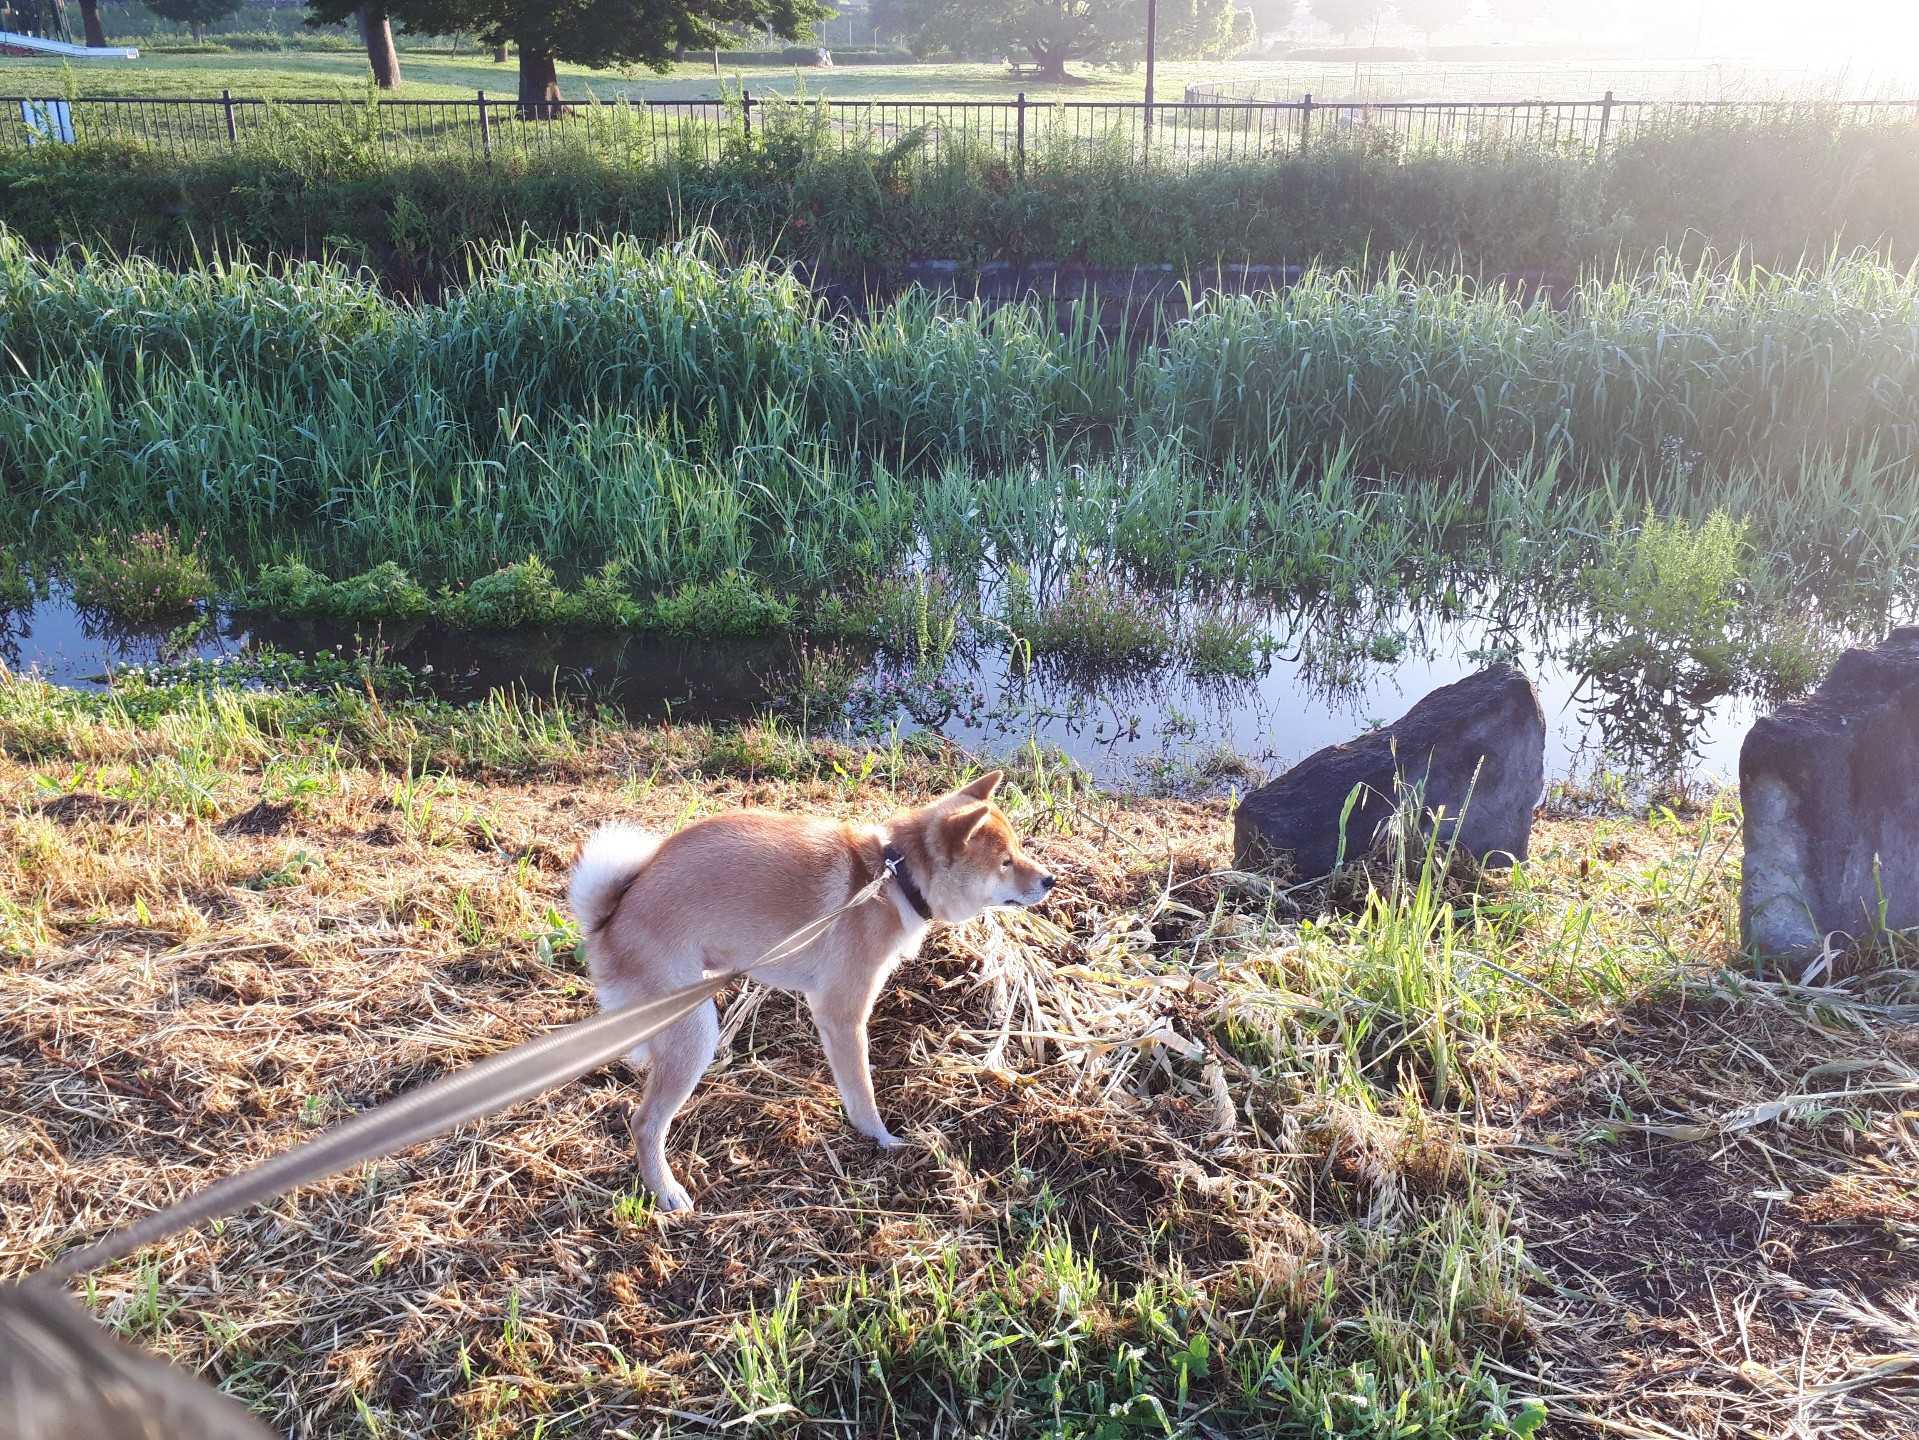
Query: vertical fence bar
[[233, 130], [746, 112], [1020, 140], [486, 135], [1605, 124], [1306, 123]]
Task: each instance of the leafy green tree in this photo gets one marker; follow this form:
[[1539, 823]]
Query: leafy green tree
[[1426, 16], [1272, 16], [1348, 18], [1053, 32], [1528, 15], [196, 15], [597, 33]]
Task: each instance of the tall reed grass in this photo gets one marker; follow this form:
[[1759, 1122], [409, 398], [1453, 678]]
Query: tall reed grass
[[691, 419]]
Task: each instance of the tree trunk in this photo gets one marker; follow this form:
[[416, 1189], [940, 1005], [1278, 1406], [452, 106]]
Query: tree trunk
[[539, 85], [377, 31], [90, 17], [1052, 64], [499, 54]]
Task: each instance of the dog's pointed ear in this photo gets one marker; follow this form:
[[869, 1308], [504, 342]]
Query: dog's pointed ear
[[982, 788], [966, 822]]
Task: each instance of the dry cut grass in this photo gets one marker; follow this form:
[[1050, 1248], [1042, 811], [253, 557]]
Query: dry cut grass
[[1434, 1158]]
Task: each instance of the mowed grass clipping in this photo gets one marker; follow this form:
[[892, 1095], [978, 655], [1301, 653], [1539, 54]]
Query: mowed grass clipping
[[1416, 1156]]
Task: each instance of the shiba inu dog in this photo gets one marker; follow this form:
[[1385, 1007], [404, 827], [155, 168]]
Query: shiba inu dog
[[660, 912]]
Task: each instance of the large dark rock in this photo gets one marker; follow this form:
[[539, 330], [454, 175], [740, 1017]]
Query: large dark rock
[[1484, 736], [1830, 787]]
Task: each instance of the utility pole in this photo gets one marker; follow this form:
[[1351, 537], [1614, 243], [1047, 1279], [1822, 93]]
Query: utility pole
[[1152, 48]]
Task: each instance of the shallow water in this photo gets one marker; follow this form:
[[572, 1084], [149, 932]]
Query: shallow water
[[1332, 674]]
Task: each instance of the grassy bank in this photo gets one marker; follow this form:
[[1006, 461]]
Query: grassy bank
[[1780, 189], [686, 420], [1428, 1158]]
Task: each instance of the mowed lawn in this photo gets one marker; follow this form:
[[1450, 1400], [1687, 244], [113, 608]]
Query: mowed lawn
[[429, 76], [444, 76]]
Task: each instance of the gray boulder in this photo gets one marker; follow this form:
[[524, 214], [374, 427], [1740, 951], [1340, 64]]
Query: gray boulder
[[1830, 787], [1484, 736]]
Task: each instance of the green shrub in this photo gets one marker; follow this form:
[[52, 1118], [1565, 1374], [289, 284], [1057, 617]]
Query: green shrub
[[291, 587], [734, 607], [603, 599], [1664, 640], [1671, 587], [288, 587], [1787, 652], [524, 593], [386, 592], [145, 576]]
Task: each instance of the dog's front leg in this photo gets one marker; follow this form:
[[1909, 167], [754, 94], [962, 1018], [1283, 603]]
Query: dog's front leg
[[842, 1027]]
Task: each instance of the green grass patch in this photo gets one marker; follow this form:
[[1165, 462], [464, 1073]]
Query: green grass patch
[[146, 576], [1227, 647], [1095, 618]]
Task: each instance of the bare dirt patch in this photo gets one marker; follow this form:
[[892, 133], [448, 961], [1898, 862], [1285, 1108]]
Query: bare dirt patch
[[1721, 1190], [264, 818]]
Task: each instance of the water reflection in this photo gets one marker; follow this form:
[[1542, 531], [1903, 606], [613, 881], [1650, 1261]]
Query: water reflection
[[1329, 670]]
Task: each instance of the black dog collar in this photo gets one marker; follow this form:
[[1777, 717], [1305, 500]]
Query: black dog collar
[[903, 877]]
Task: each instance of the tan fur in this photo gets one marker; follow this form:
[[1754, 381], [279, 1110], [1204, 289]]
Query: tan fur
[[722, 892]]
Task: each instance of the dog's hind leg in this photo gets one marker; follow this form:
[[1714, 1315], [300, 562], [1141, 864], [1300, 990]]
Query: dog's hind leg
[[843, 1036], [676, 1058]]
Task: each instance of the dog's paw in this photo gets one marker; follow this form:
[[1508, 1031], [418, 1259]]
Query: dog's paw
[[887, 1140], [672, 1199]]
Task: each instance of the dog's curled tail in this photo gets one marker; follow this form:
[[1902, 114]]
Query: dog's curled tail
[[613, 855]]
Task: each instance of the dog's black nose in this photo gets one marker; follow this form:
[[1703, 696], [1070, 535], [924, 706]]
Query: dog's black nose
[[1047, 882]]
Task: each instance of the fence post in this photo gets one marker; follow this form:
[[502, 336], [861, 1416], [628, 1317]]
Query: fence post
[[1605, 124], [746, 112], [486, 134], [1306, 122], [1019, 142], [233, 131]]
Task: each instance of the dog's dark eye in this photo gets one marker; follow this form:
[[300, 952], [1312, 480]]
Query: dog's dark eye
[[1006, 864]]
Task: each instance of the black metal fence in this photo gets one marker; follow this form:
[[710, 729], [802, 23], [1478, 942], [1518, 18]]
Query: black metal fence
[[1181, 132]]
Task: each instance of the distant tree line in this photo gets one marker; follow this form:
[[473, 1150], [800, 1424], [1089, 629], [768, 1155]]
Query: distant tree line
[[1049, 34]]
